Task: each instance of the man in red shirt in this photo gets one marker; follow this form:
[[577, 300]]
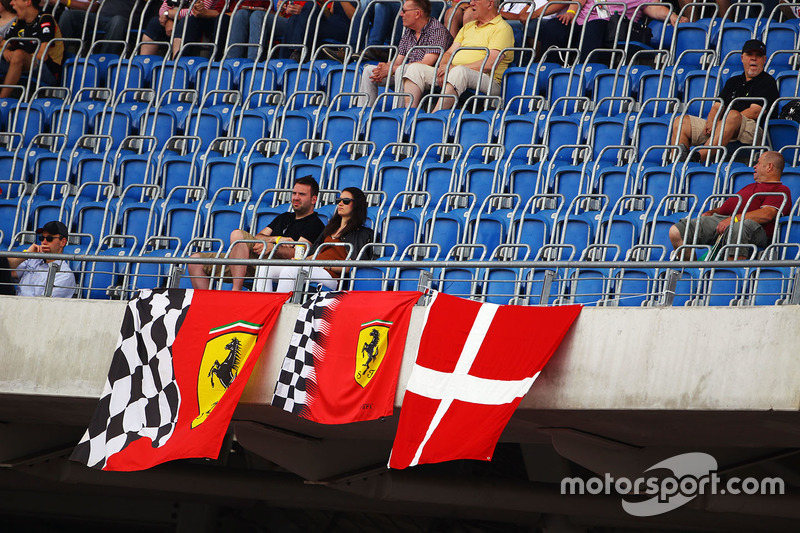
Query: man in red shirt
[[762, 201]]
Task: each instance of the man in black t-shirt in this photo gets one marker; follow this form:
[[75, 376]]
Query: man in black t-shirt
[[300, 224], [19, 56], [740, 124]]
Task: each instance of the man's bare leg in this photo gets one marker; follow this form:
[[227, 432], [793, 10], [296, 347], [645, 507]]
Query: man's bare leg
[[447, 103], [682, 133], [414, 90], [676, 239], [724, 133], [20, 62], [238, 251]]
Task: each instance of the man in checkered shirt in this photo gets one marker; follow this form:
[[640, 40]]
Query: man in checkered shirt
[[471, 67], [421, 29]]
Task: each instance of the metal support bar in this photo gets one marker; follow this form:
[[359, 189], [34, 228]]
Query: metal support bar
[[669, 291]]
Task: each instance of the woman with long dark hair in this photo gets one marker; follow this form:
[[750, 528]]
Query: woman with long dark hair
[[345, 226]]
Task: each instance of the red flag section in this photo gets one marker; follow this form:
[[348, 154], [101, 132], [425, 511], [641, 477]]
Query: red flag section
[[217, 341], [345, 355], [475, 363]]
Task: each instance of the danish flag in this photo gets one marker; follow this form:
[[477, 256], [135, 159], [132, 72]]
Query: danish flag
[[474, 365]]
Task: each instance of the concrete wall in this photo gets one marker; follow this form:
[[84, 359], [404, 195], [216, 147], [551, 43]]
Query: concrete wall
[[615, 358]]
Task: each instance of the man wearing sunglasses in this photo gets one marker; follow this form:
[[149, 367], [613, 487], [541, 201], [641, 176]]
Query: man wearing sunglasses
[[32, 273]]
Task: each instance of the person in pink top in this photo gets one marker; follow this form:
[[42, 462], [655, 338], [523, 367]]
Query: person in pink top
[[592, 21], [767, 197]]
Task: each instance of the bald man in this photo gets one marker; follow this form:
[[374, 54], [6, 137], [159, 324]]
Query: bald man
[[759, 220]]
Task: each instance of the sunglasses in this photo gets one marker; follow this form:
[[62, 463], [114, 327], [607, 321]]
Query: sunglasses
[[49, 238], [345, 201]]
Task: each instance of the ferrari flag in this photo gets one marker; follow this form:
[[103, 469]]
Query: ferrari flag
[[180, 366], [475, 363], [344, 356]]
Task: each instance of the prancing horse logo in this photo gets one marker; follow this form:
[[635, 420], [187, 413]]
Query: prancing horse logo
[[225, 354], [370, 349], [227, 370], [372, 342]]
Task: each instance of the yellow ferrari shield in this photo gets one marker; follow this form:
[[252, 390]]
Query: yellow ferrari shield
[[372, 342], [225, 354]]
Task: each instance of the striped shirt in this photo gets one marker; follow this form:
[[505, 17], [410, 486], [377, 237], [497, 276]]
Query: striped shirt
[[433, 34]]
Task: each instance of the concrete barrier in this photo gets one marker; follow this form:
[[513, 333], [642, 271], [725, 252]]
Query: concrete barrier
[[739, 358]]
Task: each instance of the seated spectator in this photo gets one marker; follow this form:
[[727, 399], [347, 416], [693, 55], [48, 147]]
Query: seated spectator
[[159, 28], [592, 22], [420, 29], [301, 224], [757, 224], [468, 69], [19, 57], [32, 273], [253, 24], [345, 226], [515, 13], [303, 26], [7, 17], [740, 124], [200, 21], [114, 17]]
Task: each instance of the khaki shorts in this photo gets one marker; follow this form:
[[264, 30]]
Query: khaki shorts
[[747, 131], [213, 270]]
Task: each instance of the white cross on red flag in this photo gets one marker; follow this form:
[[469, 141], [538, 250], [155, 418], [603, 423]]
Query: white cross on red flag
[[474, 365]]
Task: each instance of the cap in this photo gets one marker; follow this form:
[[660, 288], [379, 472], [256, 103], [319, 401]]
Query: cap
[[54, 228], [754, 45]]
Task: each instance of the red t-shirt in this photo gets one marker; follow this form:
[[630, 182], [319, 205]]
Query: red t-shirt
[[774, 200]]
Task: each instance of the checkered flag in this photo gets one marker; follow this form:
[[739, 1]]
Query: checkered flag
[[140, 397], [297, 382]]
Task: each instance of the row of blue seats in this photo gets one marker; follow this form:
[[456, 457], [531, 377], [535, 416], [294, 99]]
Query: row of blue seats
[[549, 80], [189, 218], [726, 35], [330, 129], [624, 286], [567, 167]]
